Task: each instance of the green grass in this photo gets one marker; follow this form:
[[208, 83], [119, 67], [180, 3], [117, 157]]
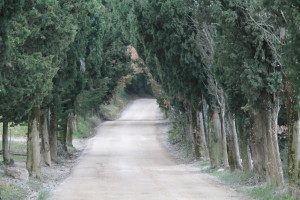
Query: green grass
[[15, 130], [71, 149], [109, 111], [16, 147], [43, 195], [264, 192], [186, 148], [84, 127], [174, 136], [269, 193], [11, 192], [235, 177], [119, 100], [35, 184], [18, 158]]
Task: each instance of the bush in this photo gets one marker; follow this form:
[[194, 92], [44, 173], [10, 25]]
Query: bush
[[174, 136]]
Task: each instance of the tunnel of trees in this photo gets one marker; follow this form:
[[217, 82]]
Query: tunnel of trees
[[228, 72]]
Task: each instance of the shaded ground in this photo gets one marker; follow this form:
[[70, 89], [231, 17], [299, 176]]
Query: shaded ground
[[126, 160]]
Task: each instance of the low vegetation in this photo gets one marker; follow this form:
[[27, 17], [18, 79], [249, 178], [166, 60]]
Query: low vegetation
[[11, 192]]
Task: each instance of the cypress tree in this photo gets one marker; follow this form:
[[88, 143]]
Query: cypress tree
[[7, 10], [92, 66], [166, 41], [251, 72], [286, 19]]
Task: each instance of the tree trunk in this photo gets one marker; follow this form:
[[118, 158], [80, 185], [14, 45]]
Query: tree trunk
[[294, 158], [248, 165], [205, 116], [53, 133], [202, 136], [45, 147], [277, 174], [243, 130], [74, 124], [224, 140], [234, 150], [195, 133], [33, 144], [70, 129], [266, 159], [293, 118], [215, 139], [5, 148]]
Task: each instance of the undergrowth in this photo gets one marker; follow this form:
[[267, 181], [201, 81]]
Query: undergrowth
[[84, 126], [44, 194], [267, 192], [233, 177], [11, 192], [246, 183], [175, 137], [119, 100]]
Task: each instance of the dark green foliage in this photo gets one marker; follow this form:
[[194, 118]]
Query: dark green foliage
[[26, 76], [286, 18], [95, 61], [167, 36], [7, 10], [139, 85], [246, 59], [68, 54]]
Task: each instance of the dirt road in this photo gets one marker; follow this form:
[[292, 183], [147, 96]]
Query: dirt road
[[126, 161]]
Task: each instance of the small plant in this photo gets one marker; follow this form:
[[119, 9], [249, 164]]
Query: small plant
[[71, 149], [267, 192], [187, 149], [84, 128], [35, 184], [9, 192], [43, 195], [174, 136], [76, 134], [236, 177]]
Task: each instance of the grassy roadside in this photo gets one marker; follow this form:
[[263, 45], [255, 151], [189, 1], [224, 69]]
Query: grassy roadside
[[242, 182], [245, 183], [108, 111], [117, 103], [11, 192]]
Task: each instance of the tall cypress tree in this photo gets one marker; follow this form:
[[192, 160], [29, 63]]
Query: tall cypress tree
[[7, 10], [286, 19], [93, 65], [251, 72]]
